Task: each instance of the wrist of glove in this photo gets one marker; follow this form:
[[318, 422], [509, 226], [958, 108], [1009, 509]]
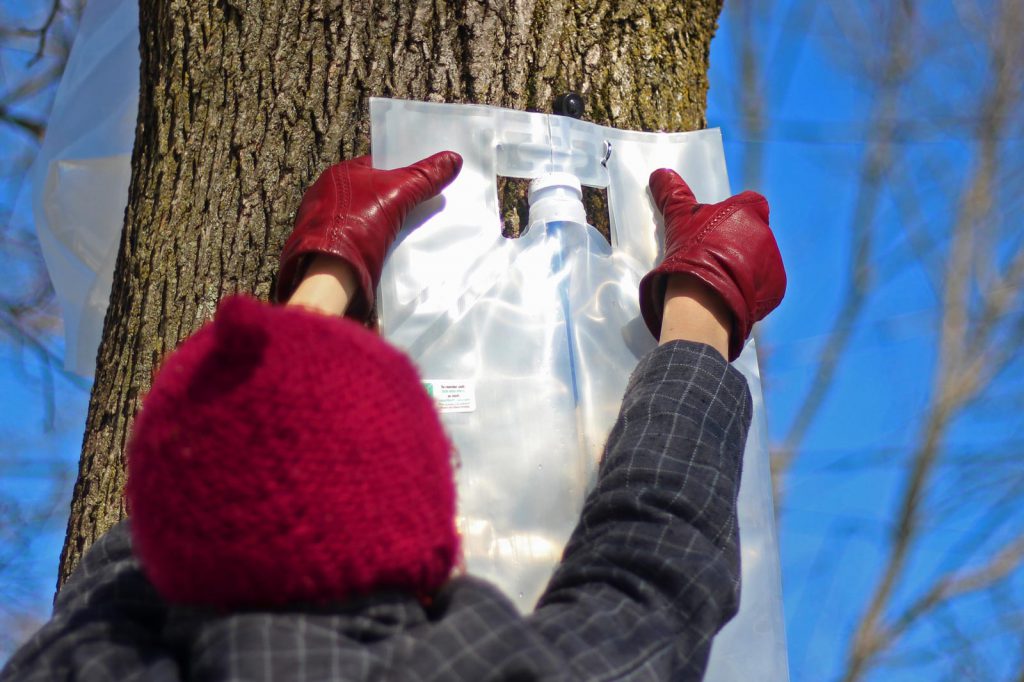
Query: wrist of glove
[[354, 212], [728, 246]]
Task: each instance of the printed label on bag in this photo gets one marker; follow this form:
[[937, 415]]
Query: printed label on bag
[[451, 395]]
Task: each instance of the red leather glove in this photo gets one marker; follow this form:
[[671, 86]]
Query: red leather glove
[[354, 212], [727, 245]]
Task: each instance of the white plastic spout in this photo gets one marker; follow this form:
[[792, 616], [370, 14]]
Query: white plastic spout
[[556, 197]]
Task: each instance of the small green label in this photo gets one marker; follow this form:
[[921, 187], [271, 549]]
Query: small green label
[[451, 395]]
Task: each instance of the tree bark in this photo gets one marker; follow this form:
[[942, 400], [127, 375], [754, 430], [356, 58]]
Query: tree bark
[[243, 103]]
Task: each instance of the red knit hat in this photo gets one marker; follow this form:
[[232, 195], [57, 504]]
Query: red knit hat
[[284, 456]]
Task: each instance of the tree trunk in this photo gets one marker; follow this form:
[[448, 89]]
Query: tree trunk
[[243, 103]]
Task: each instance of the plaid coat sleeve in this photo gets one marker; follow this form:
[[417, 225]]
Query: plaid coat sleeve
[[652, 571]]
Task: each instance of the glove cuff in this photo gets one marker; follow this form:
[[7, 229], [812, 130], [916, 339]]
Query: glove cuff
[[295, 257]]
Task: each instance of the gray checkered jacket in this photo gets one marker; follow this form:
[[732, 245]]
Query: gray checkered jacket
[[650, 574]]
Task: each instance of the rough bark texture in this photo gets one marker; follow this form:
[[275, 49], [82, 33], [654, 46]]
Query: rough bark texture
[[243, 103]]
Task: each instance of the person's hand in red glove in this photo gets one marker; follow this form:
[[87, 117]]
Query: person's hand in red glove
[[721, 257], [346, 222]]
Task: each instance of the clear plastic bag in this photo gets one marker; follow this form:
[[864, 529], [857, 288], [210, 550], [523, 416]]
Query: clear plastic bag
[[79, 181], [540, 334]]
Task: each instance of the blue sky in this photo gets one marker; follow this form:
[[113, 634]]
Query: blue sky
[[37, 454], [840, 496]]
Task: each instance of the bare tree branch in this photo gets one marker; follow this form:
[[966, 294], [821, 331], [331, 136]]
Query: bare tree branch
[[950, 586], [44, 30], [959, 377], [877, 162]]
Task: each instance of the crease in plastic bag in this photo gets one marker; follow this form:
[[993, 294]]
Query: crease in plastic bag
[[538, 336]]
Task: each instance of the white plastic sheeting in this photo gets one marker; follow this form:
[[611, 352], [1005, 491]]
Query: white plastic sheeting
[[79, 189], [493, 316], [79, 181]]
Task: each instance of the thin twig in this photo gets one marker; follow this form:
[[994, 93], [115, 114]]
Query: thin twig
[[951, 586], [959, 377], [44, 31], [878, 160]]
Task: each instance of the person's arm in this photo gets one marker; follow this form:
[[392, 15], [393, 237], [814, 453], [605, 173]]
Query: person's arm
[[328, 285], [694, 312], [652, 571]]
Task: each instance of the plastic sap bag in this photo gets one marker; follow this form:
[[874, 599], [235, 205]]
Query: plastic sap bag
[[527, 344], [79, 180]]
